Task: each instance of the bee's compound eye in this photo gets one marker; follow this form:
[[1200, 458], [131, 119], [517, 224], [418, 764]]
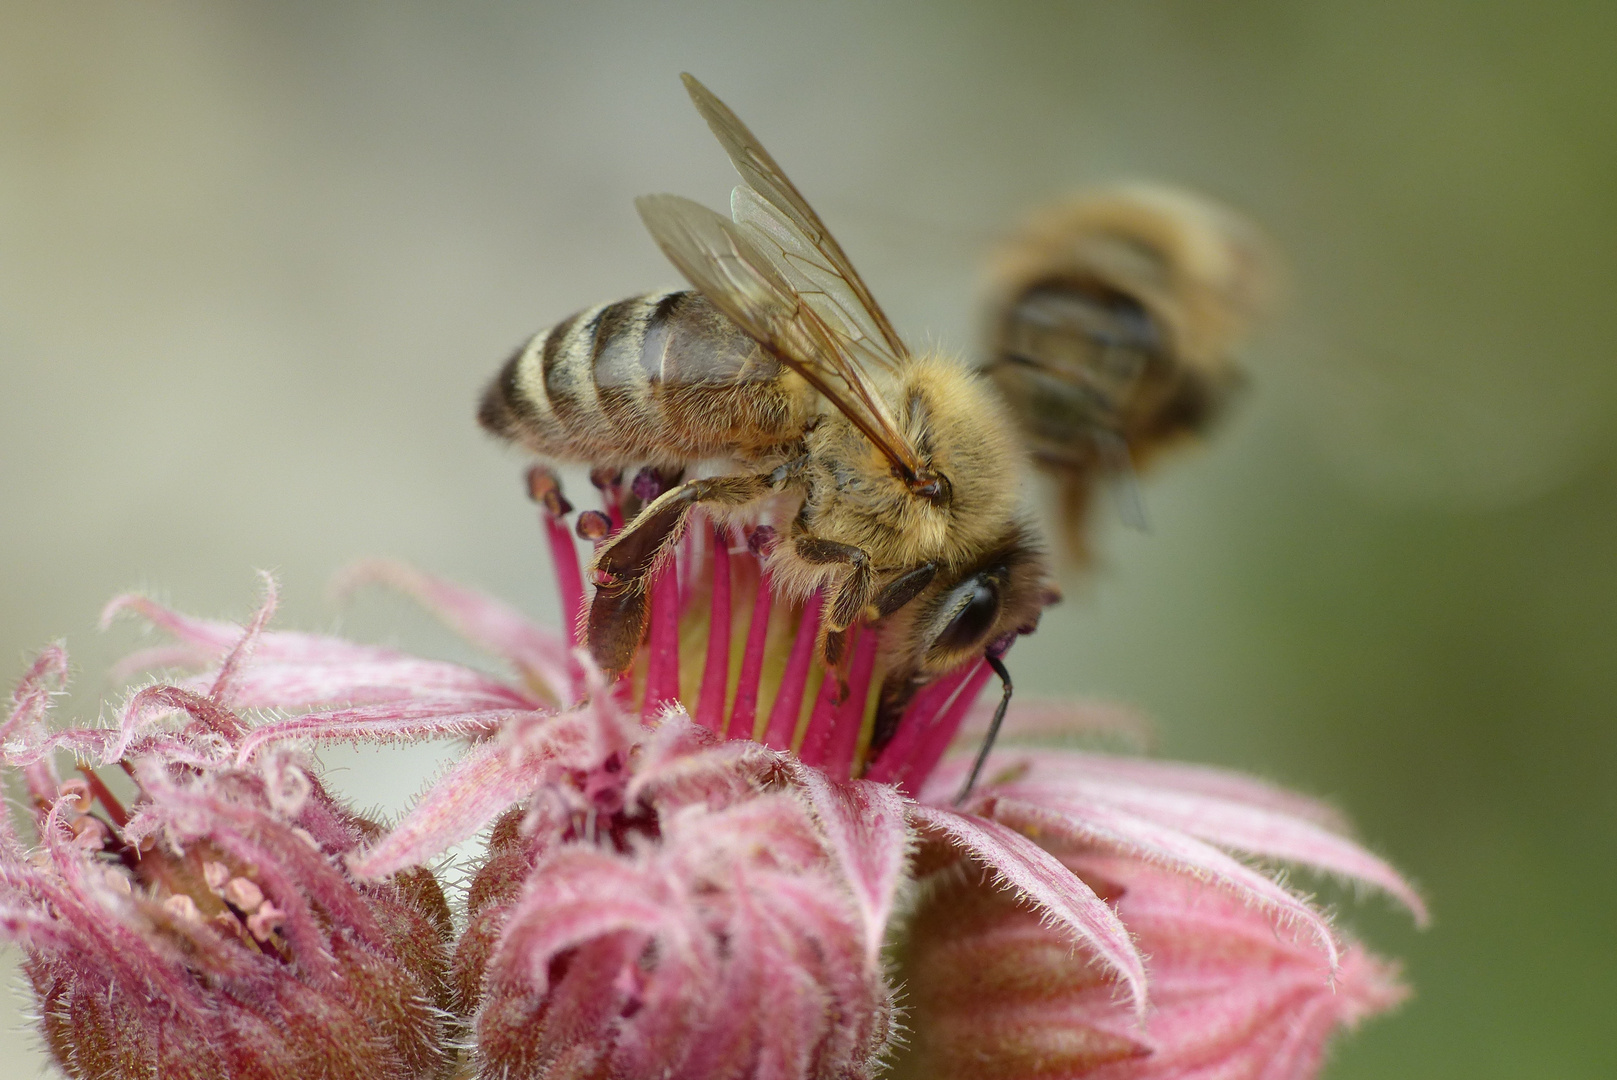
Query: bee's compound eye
[[976, 607]]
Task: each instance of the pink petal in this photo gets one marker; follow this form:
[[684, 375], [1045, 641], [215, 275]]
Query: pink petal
[[867, 833], [1036, 718], [673, 769], [1039, 877], [408, 722], [146, 706], [941, 732], [491, 777], [223, 680], [487, 623], [569, 576], [30, 704], [573, 897], [844, 741], [1061, 765], [892, 764], [822, 715], [1085, 822], [276, 685], [212, 639], [156, 658], [1252, 830]]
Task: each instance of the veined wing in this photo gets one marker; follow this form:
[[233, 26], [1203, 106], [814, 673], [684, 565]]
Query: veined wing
[[792, 235], [729, 267]]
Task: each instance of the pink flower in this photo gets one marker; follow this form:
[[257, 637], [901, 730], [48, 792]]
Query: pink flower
[[995, 993], [1036, 813], [702, 870], [209, 928]]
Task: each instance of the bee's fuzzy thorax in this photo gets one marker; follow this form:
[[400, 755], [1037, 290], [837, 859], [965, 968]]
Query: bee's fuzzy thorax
[[959, 423], [960, 430]]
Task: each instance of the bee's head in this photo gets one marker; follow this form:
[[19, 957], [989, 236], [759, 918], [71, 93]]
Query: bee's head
[[963, 613]]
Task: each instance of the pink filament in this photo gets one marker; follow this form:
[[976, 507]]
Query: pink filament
[[919, 715], [783, 717], [817, 737], [850, 718], [743, 714], [569, 577], [937, 737], [692, 550], [716, 672], [662, 661]]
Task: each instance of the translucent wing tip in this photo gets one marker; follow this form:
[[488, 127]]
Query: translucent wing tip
[[699, 93]]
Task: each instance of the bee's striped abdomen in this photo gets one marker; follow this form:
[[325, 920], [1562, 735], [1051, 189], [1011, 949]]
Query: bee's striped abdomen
[[658, 379]]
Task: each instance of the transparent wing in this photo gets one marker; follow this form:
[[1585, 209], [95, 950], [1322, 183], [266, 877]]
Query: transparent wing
[[798, 242], [724, 262], [1119, 465]]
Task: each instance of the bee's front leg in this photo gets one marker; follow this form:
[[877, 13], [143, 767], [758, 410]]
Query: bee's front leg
[[622, 565]]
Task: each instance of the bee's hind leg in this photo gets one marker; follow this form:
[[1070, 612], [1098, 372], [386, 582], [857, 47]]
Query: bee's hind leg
[[622, 565]]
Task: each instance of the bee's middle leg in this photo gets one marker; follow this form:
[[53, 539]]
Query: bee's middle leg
[[621, 606], [852, 593]]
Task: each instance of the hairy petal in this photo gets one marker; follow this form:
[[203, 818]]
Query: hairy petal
[[1252, 830], [1083, 823], [492, 625], [1038, 718], [223, 680], [1058, 766], [405, 722], [1039, 877], [491, 777], [277, 685], [866, 829], [211, 639]]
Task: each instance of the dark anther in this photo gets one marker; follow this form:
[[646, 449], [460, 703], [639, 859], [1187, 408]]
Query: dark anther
[[651, 482], [541, 483], [647, 485], [606, 478], [762, 540], [593, 525]]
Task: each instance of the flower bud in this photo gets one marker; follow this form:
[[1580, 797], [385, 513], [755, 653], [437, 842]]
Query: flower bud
[[669, 912], [197, 934], [994, 993]]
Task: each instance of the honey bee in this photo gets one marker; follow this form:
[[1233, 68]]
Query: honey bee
[[1112, 319], [894, 477]]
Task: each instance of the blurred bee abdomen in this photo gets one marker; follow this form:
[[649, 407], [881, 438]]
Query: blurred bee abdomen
[[1112, 321]]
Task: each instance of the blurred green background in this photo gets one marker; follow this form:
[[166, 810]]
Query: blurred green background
[[257, 259]]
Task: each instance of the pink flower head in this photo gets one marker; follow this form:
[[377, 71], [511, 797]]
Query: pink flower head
[[703, 929], [208, 927], [702, 869], [661, 903]]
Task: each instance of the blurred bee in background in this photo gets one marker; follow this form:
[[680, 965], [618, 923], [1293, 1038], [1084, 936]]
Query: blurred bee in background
[[1112, 319], [895, 477]]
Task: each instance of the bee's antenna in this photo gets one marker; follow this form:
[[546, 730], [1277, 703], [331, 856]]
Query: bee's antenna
[[993, 727]]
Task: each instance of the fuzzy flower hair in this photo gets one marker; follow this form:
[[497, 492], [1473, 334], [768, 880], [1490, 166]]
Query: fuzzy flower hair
[[209, 926], [712, 868]]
